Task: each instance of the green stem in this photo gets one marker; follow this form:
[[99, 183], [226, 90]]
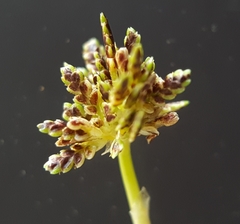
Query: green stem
[[138, 200]]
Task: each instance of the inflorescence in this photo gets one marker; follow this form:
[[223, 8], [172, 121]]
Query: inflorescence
[[117, 97]]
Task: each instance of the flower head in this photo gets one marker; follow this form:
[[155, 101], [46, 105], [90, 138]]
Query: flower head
[[117, 97]]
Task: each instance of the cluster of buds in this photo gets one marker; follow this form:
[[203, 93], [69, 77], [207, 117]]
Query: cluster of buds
[[117, 97]]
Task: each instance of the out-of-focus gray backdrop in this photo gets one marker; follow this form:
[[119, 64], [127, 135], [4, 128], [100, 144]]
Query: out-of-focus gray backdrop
[[191, 170]]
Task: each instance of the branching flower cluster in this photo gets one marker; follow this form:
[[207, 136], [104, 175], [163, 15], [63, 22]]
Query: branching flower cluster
[[117, 97]]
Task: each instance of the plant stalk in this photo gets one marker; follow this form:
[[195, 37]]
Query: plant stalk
[[138, 200]]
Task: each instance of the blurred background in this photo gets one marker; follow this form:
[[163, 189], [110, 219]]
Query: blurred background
[[191, 170]]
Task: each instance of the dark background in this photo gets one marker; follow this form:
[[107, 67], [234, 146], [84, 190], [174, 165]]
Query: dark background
[[191, 170]]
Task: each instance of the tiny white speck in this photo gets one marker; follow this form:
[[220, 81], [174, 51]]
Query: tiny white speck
[[1, 141], [74, 212], [81, 179], [171, 41], [214, 28], [41, 88], [23, 173]]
